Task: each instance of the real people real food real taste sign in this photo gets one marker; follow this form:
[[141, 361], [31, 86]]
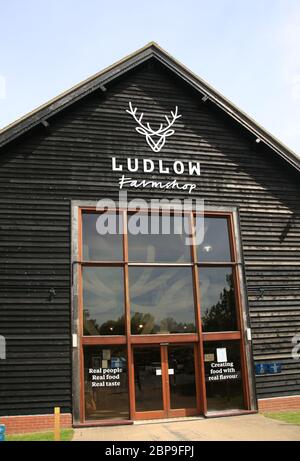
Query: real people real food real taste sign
[[105, 377]]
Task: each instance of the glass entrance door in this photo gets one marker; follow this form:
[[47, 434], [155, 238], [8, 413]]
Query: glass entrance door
[[165, 382], [148, 381]]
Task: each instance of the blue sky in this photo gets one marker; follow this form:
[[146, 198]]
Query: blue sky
[[248, 50]]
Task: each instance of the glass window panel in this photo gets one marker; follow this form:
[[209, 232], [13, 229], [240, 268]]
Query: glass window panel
[[97, 246], [105, 382], [103, 301], [161, 300], [166, 240], [182, 376], [217, 300], [148, 378], [215, 245], [223, 375]]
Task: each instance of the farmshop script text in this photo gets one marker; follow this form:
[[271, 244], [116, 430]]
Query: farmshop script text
[[146, 165]]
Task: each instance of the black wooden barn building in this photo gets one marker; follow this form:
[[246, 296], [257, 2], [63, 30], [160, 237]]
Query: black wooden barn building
[[79, 309]]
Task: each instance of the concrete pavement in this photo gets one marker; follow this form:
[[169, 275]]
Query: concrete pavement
[[247, 427]]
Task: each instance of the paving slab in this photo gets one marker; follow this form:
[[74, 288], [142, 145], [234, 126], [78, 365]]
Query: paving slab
[[234, 428]]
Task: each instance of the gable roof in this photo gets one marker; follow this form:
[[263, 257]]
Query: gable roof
[[103, 77]]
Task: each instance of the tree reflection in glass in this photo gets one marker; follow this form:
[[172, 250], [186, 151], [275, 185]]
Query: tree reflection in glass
[[161, 300], [218, 311]]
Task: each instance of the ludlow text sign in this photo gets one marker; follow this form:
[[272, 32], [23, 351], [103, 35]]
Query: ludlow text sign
[[158, 167]]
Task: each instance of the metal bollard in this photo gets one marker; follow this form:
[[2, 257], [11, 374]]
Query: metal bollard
[[2, 432]]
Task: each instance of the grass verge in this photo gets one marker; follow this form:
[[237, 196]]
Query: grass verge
[[66, 435], [292, 417]]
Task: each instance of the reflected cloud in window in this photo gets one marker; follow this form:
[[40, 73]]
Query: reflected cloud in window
[[98, 247], [161, 300], [165, 240], [215, 246], [103, 301]]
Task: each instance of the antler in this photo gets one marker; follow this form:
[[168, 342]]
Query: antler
[[175, 117], [138, 120], [147, 127]]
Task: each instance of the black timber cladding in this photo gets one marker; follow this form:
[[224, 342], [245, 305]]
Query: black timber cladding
[[48, 167]]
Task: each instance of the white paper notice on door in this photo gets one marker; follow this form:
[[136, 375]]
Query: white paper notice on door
[[158, 372], [222, 354], [106, 354]]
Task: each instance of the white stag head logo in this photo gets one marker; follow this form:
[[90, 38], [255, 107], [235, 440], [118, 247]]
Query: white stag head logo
[[155, 138]]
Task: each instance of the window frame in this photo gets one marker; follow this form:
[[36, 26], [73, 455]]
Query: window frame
[[198, 337]]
